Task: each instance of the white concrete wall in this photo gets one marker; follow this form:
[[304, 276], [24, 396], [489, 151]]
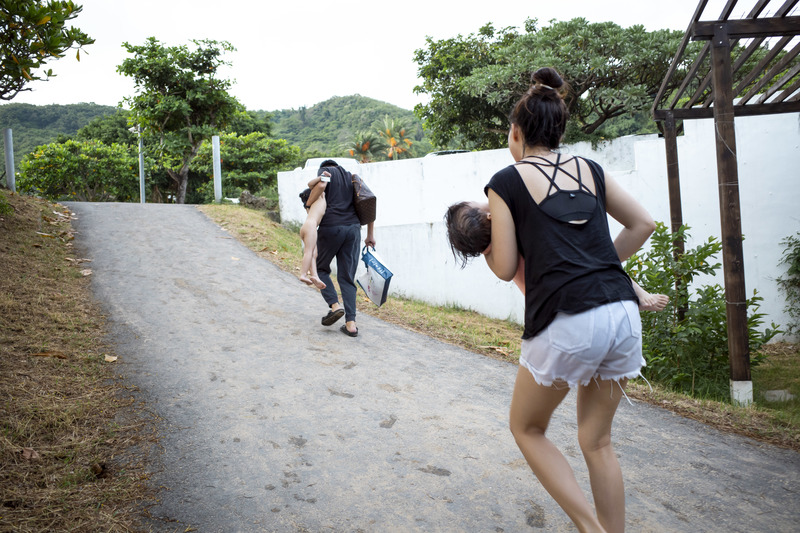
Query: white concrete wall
[[414, 194]]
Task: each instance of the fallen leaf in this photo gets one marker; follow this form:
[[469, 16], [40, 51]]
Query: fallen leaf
[[99, 470], [110, 358], [30, 454], [234, 258], [498, 349], [86, 271], [274, 252], [44, 234]]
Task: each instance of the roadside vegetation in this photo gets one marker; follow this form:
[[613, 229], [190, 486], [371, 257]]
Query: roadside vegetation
[[69, 431]]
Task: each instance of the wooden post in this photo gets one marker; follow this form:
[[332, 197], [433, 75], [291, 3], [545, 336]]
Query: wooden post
[[730, 217], [674, 184], [673, 175]]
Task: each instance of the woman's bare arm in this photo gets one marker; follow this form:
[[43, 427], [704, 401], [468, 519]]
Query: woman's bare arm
[[502, 255], [637, 222]]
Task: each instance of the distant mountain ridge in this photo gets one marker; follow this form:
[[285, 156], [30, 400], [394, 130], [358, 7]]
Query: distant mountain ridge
[[322, 129], [327, 127], [33, 125]]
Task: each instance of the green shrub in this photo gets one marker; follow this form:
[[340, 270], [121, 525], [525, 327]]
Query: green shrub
[[248, 162], [686, 345], [81, 170], [789, 283]]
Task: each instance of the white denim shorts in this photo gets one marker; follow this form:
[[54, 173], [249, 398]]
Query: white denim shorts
[[601, 343]]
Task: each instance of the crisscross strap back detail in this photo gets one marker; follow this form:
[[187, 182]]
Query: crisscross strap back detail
[[566, 205]]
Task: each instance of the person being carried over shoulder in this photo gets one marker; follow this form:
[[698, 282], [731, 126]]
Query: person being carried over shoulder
[[469, 230], [313, 200]]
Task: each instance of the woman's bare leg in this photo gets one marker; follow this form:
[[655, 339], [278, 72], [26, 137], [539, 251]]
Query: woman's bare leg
[[532, 405], [308, 234], [597, 404]]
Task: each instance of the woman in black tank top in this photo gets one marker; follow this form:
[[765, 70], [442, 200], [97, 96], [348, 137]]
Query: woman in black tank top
[[552, 210]]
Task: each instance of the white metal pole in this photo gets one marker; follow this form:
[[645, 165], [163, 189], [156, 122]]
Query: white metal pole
[[8, 140], [141, 167], [217, 169]]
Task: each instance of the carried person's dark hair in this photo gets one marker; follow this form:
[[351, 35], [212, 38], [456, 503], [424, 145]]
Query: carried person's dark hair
[[469, 231], [541, 114]]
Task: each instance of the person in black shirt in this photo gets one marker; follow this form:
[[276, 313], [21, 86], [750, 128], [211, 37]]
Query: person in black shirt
[[338, 236], [582, 324]]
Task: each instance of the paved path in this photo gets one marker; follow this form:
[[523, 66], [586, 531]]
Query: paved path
[[272, 422]]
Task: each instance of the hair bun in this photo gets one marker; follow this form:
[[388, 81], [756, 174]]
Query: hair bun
[[548, 78]]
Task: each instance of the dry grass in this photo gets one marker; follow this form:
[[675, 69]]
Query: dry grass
[[774, 423], [65, 429]]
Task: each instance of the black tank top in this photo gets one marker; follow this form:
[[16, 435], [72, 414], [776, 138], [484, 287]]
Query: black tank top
[[569, 267]]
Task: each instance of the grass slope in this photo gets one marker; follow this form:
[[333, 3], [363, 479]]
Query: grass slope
[[66, 429]]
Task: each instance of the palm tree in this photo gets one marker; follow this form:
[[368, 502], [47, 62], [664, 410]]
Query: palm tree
[[394, 133], [365, 145]]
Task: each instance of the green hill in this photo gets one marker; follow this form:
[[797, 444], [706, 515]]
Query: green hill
[[326, 127], [320, 130], [33, 125]]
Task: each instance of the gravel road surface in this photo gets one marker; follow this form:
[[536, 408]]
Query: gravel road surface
[[272, 422]]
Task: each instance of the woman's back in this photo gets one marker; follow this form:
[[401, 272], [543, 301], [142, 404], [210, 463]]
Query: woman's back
[[571, 264]]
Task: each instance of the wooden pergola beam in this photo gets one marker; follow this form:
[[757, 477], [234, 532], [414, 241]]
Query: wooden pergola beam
[[742, 29], [750, 110]]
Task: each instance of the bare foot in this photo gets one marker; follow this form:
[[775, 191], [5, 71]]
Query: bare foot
[[653, 302], [305, 279], [317, 282]]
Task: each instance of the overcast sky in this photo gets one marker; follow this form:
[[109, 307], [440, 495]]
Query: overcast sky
[[294, 53]]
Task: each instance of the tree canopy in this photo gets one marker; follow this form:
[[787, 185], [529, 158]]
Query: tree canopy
[[32, 33], [109, 129], [179, 99], [474, 81], [249, 162]]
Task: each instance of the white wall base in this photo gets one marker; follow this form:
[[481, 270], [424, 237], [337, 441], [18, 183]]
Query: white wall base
[[742, 392]]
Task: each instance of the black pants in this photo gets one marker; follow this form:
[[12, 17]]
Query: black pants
[[341, 242]]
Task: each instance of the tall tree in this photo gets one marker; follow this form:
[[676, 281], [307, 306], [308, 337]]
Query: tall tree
[[453, 112], [179, 99], [33, 33], [474, 81], [365, 146], [396, 137]]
